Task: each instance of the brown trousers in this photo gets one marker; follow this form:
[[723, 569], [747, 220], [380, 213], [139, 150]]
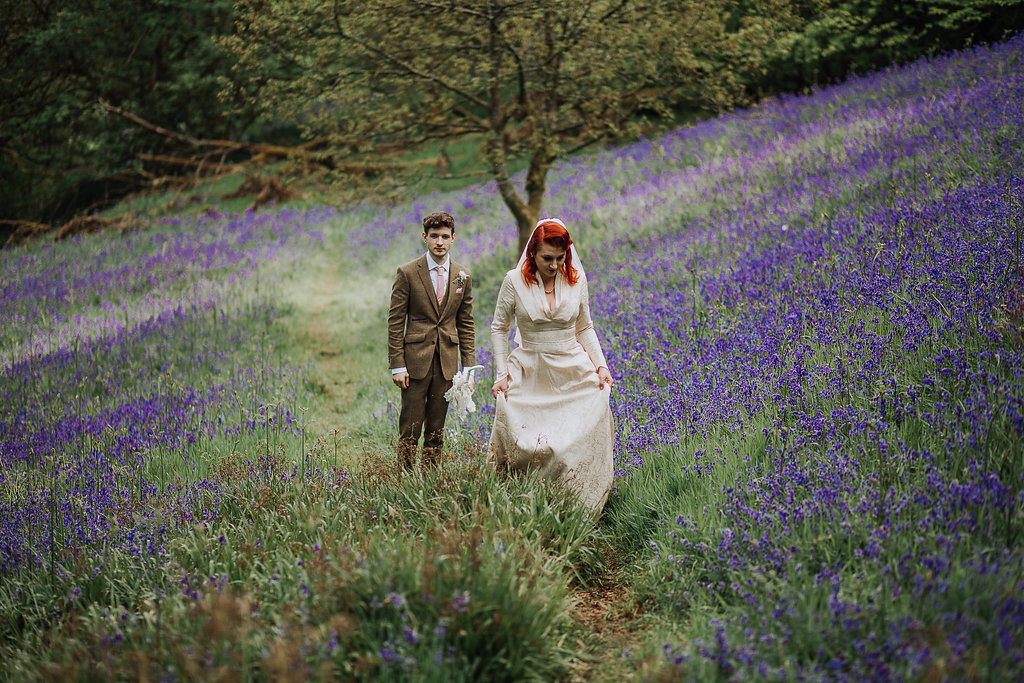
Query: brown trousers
[[423, 411]]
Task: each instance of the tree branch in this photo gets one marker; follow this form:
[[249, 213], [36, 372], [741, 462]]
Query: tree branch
[[449, 7], [162, 131], [229, 145], [408, 68]]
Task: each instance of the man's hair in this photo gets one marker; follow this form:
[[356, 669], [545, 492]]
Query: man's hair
[[438, 220]]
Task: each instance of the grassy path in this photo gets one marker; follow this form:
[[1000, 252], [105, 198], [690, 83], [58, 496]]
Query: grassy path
[[338, 321]]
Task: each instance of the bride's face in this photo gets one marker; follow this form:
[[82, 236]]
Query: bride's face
[[549, 260]]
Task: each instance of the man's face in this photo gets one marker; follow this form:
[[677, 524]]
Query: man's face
[[438, 241]]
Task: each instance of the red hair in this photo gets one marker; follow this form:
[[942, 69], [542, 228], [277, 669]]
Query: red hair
[[557, 236]]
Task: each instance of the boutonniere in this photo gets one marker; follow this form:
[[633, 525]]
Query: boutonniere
[[460, 280]]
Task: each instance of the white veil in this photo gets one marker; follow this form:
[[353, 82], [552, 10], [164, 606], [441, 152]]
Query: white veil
[[566, 295], [577, 263]]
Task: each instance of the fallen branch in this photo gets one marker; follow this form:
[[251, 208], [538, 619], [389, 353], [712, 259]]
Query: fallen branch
[[259, 151], [350, 167], [259, 148], [172, 161], [24, 231], [28, 230], [266, 190], [82, 225]]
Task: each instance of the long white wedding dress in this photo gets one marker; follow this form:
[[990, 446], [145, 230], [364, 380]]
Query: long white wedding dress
[[554, 418]]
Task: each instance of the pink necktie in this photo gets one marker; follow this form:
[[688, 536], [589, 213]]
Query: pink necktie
[[440, 284]]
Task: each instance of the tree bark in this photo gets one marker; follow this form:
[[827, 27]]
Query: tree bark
[[497, 153], [536, 183], [499, 168]]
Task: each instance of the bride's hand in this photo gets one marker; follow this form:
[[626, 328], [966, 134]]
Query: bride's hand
[[501, 386], [604, 377]]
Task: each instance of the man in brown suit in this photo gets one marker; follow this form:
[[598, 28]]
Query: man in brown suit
[[430, 325]]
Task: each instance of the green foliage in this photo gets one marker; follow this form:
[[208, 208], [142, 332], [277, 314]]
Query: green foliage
[[452, 573], [856, 36], [526, 83], [60, 152], [538, 79]]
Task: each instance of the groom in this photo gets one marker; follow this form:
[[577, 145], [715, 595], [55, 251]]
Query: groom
[[430, 325]]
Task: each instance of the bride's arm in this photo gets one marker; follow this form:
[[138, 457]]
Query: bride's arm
[[585, 332], [504, 310]]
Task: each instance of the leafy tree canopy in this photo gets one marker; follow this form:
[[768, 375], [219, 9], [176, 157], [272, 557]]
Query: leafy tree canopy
[[59, 58], [535, 79], [855, 36], [532, 79]]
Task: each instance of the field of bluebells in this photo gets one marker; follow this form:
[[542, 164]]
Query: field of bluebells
[[813, 310]]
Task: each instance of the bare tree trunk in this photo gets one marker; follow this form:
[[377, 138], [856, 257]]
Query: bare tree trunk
[[526, 213], [536, 183], [499, 169], [497, 153], [541, 115], [526, 226]]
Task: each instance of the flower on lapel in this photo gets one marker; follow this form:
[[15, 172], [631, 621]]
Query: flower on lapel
[[460, 281]]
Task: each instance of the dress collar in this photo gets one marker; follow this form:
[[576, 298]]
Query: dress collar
[[567, 297]]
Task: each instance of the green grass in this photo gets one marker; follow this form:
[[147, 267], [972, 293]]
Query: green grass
[[359, 570], [462, 571]]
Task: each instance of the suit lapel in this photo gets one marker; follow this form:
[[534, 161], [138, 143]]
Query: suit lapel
[[427, 283]]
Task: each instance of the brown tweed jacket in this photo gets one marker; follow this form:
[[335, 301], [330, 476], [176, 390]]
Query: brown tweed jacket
[[417, 324]]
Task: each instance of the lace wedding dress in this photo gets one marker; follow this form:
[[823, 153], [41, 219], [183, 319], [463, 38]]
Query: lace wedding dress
[[554, 418]]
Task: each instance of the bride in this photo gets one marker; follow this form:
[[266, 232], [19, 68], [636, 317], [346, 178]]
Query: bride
[[552, 413]]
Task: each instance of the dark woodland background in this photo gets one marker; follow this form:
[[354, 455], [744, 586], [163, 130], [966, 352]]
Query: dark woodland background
[[100, 99]]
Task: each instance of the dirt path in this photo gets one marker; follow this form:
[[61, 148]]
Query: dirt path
[[340, 320], [608, 632]]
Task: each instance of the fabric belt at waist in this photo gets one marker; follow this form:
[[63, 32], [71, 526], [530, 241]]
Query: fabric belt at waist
[[550, 341]]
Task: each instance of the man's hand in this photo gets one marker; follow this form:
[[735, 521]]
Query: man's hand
[[401, 380], [604, 377]]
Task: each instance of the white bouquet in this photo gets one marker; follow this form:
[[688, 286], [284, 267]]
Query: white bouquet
[[460, 396]]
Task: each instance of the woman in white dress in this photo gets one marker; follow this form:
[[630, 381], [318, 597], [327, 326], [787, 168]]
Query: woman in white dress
[[552, 395]]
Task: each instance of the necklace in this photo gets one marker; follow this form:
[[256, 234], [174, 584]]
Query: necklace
[[549, 291]]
